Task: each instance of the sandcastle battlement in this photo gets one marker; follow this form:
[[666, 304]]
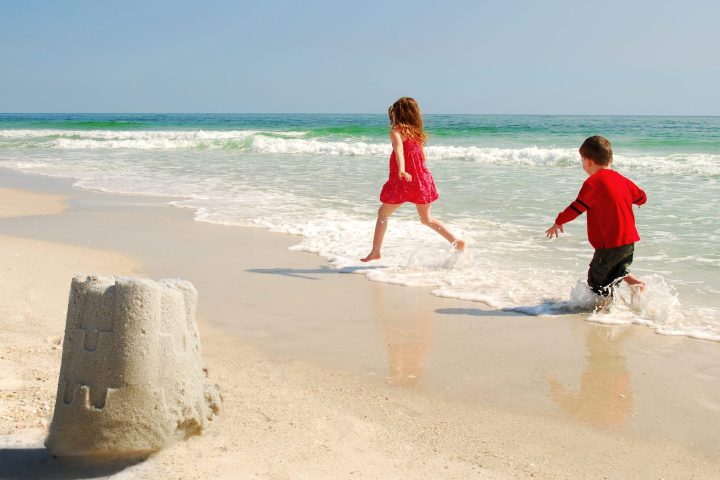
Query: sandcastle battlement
[[131, 378]]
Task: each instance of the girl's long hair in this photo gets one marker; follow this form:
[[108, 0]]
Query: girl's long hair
[[406, 118]]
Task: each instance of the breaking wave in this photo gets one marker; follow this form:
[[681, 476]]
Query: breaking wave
[[301, 142]]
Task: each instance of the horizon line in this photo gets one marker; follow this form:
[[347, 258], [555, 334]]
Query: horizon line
[[369, 113]]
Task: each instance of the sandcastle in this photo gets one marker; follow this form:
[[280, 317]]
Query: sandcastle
[[131, 379]]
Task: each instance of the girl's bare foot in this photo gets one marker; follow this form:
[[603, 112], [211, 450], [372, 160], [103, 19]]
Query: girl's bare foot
[[459, 245], [371, 256]]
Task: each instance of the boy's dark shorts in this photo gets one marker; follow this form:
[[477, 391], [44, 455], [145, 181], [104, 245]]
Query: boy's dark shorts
[[608, 267]]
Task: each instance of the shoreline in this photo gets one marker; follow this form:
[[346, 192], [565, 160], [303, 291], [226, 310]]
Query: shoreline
[[460, 377]]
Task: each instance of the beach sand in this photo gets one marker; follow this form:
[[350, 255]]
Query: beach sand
[[325, 374], [21, 203]]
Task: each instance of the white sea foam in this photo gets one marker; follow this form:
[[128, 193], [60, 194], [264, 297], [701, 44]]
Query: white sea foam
[[706, 165], [535, 156], [293, 142], [138, 140], [264, 144], [658, 306]]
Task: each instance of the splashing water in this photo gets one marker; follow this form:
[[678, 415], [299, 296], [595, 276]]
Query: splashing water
[[657, 305]]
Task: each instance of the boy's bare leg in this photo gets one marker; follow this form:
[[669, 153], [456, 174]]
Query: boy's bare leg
[[602, 303], [633, 281], [384, 212], [637, 286], [426, 219]]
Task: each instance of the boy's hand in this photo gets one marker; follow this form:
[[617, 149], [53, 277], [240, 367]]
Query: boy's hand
[[554, 231]]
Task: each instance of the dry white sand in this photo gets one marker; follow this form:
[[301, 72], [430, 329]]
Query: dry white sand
[[463, 393]]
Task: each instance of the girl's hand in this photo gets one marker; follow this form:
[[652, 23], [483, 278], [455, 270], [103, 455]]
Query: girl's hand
[[405, 176]]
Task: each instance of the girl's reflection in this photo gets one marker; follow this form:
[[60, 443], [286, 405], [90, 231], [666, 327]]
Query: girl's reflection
[[405, 322]]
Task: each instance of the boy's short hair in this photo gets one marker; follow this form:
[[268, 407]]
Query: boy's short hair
[[597, 149]]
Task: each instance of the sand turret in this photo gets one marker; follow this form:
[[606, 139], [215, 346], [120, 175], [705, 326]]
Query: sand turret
[[131, 379]]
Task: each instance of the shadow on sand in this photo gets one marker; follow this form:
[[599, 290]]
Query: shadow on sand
[[38, 463], [306, 272], [544, 309], [478, 312]]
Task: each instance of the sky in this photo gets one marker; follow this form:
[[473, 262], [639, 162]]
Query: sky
[[629, 57]]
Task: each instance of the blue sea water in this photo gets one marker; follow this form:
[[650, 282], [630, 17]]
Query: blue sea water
[[502, 180]]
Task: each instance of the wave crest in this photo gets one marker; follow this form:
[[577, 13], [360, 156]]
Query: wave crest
[[296, 142]]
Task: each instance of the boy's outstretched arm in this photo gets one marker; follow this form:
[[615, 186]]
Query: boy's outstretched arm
[[554, 231], [576, 208]]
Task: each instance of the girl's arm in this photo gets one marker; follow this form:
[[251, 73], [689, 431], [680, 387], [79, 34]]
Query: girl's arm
[[396, 140]]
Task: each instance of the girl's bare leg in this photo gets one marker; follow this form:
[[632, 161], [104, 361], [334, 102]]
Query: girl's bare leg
[[427, 219], [384, 212]]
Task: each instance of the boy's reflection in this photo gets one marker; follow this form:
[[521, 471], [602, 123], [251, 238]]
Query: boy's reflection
[[605, 397]]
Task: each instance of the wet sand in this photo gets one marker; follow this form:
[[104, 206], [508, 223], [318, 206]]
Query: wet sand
[[328, 375]]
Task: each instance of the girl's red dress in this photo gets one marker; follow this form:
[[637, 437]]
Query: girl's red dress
[[422, 187]]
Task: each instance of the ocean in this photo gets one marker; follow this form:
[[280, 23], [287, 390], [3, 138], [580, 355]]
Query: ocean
[[502, 180]]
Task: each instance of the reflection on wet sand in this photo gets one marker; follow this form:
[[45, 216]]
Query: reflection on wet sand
[[605, 397], [406, 330]]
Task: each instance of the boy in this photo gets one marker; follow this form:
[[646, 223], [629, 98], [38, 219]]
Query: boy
[[608, 198]]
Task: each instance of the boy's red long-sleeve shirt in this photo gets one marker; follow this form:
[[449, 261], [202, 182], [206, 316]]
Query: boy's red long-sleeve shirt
[[608, 198]]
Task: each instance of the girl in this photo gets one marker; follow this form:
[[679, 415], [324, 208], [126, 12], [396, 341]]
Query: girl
[[410, 180]]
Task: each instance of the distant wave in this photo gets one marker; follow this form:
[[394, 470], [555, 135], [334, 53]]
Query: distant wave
[[263, 144], [140, 140], [297, 142]]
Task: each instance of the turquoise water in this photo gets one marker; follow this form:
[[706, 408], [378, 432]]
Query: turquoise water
[[502, 180], [639, 134]]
